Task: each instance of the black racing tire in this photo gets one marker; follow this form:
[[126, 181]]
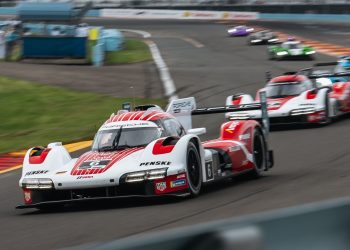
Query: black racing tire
[[259, 154], [193, 170], [311, 58]]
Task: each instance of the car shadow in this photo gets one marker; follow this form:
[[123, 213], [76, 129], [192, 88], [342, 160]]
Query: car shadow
[[132, 202]]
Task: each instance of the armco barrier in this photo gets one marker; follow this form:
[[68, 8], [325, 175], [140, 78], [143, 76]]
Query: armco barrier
[[304, 17], [189, 14], [178, 14], [318, 226]]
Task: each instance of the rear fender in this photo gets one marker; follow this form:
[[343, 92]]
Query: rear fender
[[38, 160], [239, 99], [241, 131]]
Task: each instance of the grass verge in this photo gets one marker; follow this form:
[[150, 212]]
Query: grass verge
[[134, 51], [34, 114]]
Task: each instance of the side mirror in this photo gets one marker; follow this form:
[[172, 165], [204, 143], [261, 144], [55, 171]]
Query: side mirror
[[197, 131]]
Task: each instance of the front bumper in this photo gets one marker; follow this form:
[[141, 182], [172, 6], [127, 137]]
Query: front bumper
[[173, 185], [96, 199]]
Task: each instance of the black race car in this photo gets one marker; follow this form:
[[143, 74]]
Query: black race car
[[263, 37]]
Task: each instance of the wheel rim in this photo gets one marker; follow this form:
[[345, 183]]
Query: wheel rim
[[193, 168], [258, 152]]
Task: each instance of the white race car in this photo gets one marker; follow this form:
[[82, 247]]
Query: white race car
[[147, 152], [295, 98]]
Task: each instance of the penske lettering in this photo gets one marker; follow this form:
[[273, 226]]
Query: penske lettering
[[155, 163], [37, 172]]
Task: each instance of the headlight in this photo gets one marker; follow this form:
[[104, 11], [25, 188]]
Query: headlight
[[250, 30], [256, 40], [310, 52], [302, 111], [273, 40], [40, 183], [282, 53], [232, 30], [152, 174], [239, 116]]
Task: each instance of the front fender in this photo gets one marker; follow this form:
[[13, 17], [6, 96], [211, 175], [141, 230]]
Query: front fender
[[175, 160], [56, 157]]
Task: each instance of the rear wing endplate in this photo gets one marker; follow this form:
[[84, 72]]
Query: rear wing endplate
[[184, 108]]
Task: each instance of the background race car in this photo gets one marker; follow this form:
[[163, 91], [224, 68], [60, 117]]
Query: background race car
[[147, 152], [290, 49], [241, 30], [263, 37], [295, 98]]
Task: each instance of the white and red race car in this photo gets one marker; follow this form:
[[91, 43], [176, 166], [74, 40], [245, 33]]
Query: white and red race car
[[295, 98], [148, 152]]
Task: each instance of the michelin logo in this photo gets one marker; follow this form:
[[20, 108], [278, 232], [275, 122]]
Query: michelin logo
[[177, 183]]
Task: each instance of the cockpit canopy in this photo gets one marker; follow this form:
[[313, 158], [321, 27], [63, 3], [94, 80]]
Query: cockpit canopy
[[135, 133]]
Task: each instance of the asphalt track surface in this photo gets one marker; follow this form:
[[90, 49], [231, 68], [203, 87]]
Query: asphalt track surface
[[311, 164]]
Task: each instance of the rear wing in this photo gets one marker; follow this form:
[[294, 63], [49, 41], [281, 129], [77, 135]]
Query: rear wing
[[184, 109], [339, 74]]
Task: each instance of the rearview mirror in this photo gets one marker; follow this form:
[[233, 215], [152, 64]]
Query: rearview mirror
[[197, 131]]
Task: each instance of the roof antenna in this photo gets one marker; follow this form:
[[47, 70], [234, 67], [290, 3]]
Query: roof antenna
[[133, 97]]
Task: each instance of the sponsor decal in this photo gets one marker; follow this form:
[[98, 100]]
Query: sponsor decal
[[27, 197], [61, 172], [94, 164], [209, 170], [177, 183], [244, 137], [85, 177], [234, 148], [155, 163], [161, 186], [306, 104], [183, 105], [127, 125], [36, 172], [232, 127]]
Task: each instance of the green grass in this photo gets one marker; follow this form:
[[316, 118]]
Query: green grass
[[134, 51], [33, 114]]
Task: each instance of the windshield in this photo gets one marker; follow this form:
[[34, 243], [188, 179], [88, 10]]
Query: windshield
[[283, 90], [114, 139], [341, 69], [291, 46]]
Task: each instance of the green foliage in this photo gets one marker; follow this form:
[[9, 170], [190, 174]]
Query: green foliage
[[33, 114]]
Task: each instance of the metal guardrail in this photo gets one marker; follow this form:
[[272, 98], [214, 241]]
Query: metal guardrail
[[321, 226]]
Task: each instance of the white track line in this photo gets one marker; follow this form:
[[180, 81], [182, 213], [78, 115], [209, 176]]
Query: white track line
[[145, 34], [168, 83], [193, 42]]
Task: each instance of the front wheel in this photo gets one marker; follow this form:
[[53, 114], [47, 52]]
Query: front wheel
[[194, 170], [259, 154]]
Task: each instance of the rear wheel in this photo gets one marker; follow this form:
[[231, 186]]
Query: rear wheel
[[259, 154], [194, 170]]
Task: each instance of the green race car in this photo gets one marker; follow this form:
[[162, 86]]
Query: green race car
[[290, 49]]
